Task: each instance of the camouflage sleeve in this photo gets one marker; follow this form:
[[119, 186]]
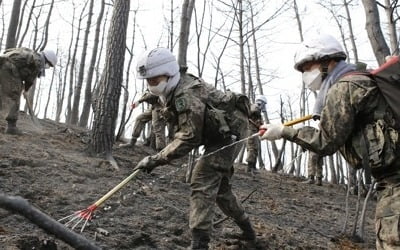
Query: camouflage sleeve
[[337, 120], [190, 127], [149, 98]]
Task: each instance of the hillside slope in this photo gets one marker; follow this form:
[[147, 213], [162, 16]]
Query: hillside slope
[[49, 167]]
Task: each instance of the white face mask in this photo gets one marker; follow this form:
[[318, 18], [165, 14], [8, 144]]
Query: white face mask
[[159, 89], [313, 79]]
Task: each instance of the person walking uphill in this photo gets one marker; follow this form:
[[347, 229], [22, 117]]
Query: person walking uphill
[[253, 143], [19, 68], [356, 120], [205, 116]]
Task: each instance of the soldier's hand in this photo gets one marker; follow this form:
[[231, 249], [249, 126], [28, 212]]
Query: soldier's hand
[[271, 132], [149, 163]]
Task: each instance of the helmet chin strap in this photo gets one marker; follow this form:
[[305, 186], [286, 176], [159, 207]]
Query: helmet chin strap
[[324, 69]]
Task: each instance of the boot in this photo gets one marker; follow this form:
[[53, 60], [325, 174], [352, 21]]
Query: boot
[[319, 181], [200, 240], [251, 167], [12, 128], [248, 233], [310, 180]]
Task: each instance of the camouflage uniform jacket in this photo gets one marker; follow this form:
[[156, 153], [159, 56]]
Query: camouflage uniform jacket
[[187, 108], [28, 64], [357, 121]]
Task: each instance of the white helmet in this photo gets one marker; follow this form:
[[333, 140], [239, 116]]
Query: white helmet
[[50, 57], [261, 98], [261, 101], [318, 48], [157, 62]]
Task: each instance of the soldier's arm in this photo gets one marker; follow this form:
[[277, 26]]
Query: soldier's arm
[[190, 128], [337, 121]]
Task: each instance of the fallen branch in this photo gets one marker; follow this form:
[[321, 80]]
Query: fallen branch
[[21, 206]]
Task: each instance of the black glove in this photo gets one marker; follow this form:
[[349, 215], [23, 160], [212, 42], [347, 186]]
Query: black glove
[[149, 163]]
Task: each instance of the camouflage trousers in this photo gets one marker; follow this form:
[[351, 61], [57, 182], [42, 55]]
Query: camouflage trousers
[[387, 216], [11, 87], [210, 184], [252, 147], [315, 163], [157, 126]]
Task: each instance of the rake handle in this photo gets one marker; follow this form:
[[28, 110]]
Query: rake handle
[[295, 121], [289, 123], [115, 189]]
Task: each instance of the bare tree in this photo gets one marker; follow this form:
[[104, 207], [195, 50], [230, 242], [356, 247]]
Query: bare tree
[[83, 121], [390, 7], [14, 22], [43, 43], [78, 86], [21, 40], [373, 27], [106, 112], [72, 68], [123, 119], [187, 10]]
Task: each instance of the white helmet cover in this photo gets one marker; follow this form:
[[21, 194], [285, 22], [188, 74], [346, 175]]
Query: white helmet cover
[[261, 98], [320, 47], [156, 62], [50, 57]]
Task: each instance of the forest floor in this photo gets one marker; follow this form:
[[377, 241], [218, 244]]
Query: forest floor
[[49, 168]]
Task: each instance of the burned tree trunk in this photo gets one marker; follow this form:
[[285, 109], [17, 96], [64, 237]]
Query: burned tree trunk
[[106, 112]]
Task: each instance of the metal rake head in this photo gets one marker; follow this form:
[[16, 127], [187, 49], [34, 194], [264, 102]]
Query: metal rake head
[[79, 217]]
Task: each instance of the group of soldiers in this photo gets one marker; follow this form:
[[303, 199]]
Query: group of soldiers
[[354, 118]]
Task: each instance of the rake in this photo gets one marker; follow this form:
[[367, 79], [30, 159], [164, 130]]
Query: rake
[[84, 215]]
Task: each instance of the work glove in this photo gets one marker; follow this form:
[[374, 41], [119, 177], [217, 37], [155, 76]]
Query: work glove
[[272, 131], [148, 163]]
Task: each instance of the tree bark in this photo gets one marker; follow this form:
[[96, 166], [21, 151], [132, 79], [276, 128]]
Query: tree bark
[[187, 10], [14, 22], [106, 113], [375, 35]]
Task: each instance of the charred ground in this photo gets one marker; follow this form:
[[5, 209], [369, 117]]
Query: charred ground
[[49, 167]]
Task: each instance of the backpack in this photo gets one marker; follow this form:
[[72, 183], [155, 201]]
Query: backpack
[[25, 60], [387, 78], [226, 113]]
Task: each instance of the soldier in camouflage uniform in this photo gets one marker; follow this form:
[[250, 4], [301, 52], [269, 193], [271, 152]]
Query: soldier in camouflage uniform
[[253, 143], [205, 116], [356, 120], [19, 68], [150, 115], [314, 169]]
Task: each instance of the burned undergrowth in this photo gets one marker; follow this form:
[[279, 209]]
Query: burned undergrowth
[[49, 167]]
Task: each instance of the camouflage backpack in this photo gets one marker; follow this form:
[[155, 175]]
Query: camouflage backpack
[[26, 61], [387, 78]]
